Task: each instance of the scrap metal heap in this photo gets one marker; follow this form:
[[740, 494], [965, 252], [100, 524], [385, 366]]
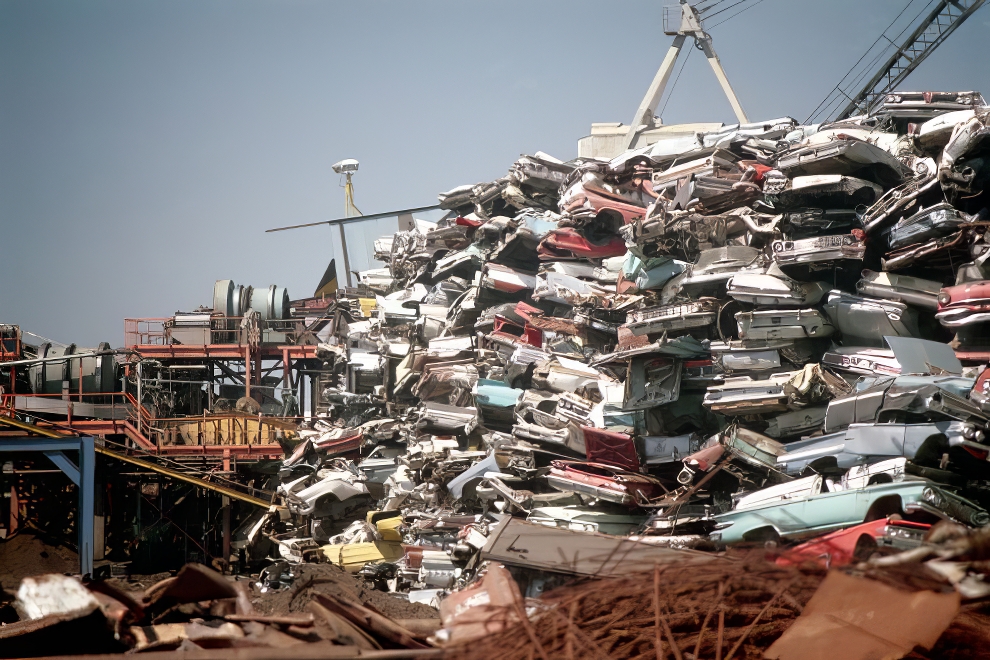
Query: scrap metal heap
[[769, 334], [755, 335]]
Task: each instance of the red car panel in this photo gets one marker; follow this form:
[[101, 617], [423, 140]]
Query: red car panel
[[839, 548], [567, 242], [972, 295], [610, 448], [640, 486]]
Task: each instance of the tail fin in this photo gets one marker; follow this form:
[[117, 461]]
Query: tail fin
[[328, 283]]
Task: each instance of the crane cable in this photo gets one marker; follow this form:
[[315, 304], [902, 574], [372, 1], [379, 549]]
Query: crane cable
[[725, 9], [736, 14], [829, 100], [674, 86]]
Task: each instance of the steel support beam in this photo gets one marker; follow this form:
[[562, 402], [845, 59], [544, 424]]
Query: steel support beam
[[87, 499], [648, 106], [83, 475], [709, 51], [65, 465], [343, 248]]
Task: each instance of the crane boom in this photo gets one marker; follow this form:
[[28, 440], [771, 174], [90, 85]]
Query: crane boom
[[930, 33], [686, 23]]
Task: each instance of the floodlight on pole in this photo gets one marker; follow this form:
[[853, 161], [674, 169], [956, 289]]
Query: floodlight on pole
[[347, 168]]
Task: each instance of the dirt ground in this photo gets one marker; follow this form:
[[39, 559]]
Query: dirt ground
[[311, 578], [25, 554], [331, 580], [138, 582]]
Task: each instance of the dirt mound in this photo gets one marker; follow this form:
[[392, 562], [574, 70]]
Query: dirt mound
[[331, 580], [26, 554]]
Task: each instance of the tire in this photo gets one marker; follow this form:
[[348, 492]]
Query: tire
[[866, 545], [883, 507], [764, 535]]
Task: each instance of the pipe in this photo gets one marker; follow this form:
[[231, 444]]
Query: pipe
[[57, 358]]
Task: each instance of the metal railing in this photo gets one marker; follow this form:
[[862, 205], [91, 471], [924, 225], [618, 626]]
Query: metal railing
[[223, 330], [205, 430], [144, 332], [10, 343], [228, 429], [102, 398]]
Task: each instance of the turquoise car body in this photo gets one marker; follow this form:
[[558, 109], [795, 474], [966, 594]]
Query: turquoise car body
[[831, 511]]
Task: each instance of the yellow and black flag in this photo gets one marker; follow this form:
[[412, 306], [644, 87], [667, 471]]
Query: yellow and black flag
[[328, 283]]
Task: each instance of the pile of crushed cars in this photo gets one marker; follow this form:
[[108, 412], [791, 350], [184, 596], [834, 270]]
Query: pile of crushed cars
[[769, 333]]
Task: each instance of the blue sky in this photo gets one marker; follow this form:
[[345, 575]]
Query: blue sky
[[146, 146]]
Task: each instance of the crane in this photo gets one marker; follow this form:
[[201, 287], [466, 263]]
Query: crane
[[909, 48], [681, 22]]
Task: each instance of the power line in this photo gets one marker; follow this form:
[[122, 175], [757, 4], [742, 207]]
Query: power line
[[703, 10], [858, 71], [736, 14], [728, 8], [837, 89], [678, 77]]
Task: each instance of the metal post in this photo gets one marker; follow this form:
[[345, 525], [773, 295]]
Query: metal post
[[226, 532], [286, 369], [301, 377], [87, 479], [314, 394], [343, 248], [247, 370], [15, 508], [99, 521], [140, 402]]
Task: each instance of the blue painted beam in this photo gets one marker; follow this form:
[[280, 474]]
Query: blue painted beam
[[64, 464], [87, 499], [39, 444], [83, 475]]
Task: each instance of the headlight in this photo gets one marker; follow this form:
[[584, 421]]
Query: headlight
[[944, 298]]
